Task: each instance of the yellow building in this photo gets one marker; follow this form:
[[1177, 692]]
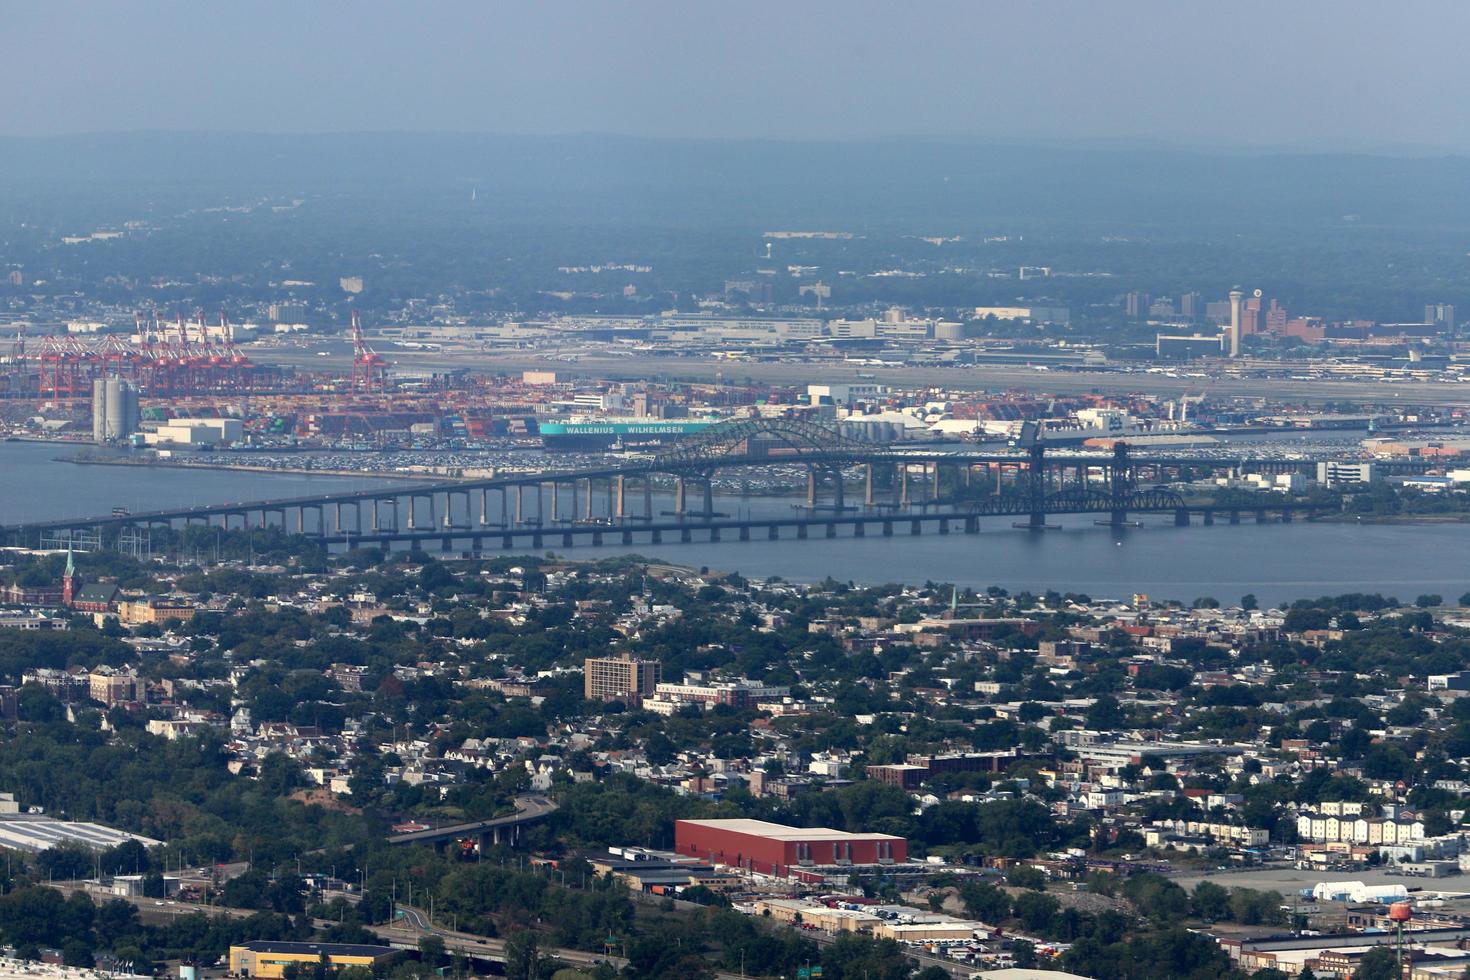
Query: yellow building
[[266, 959], [139, 611]]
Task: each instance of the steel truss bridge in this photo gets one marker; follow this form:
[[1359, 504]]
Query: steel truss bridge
[[896, 490]]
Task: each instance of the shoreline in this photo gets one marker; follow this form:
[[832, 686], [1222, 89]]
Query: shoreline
[[1425, 519], [37, 440], [243, 468]]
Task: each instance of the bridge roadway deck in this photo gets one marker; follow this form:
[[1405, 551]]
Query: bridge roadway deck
[[528, 810], [566, 477], [890, 523]]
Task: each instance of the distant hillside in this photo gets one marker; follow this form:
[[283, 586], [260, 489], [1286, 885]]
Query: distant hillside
[[879, 184]]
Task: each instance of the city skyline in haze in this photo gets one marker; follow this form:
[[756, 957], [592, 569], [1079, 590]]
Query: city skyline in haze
[[1347, 76]]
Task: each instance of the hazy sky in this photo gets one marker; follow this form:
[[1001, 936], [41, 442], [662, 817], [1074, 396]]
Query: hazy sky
[[1339, 74]]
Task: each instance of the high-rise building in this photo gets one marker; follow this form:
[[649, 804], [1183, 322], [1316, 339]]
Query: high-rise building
[[1135, 305], [114, 409], [1189, 305], [287, 312], [1250, 316], [1442, 315], [621, 678], [1276, 319]]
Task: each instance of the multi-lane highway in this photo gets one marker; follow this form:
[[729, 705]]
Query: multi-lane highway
[[403, 933], [412, 924]]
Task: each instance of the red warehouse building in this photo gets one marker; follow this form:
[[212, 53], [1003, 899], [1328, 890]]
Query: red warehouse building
[[770, 848]]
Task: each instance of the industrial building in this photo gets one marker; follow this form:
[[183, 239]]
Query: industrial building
[[1329, 953], [658, 872], [622, 678], [1357, 891], [34, 834], [774, 849], [905, 925], [842, 394], [1335, 473], [197, 432], [268, 959], [12, 968]]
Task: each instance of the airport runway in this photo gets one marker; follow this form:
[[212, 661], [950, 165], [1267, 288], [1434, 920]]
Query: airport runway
[[978, 377]]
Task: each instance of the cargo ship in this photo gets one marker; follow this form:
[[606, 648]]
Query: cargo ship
[[604, 433]]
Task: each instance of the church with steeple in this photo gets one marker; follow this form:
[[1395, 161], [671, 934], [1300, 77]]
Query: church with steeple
[[100, 597], [69, 579]]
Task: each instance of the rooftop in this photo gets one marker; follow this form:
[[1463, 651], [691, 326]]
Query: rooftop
[[776, 831], [14, 969], [316, 949], [35, 834]]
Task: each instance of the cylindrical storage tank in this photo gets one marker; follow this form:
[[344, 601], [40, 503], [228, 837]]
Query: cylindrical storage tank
[[99, 410], [135, 414], [117, 409]]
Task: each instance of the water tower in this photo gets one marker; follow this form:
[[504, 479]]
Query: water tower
[[1398, 914]]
